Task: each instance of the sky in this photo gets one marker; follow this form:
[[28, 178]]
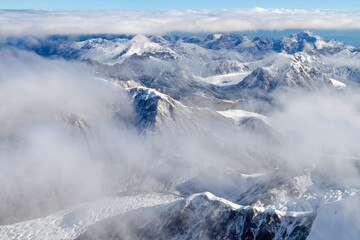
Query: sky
[[179, 5]]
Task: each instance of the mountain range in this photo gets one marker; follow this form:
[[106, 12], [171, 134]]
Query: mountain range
[[210, 111]]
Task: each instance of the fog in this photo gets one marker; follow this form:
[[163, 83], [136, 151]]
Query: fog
[[49, 112], [42, 22], [343, 60], [321, 130], [66, 137]]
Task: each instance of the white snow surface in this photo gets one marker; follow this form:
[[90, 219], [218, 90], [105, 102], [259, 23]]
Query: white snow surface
[[70, 223], [116, 51], [238, 114], [224, 80], [337, 83], [235, 206]]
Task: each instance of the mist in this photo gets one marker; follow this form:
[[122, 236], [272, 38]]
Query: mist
[[320, 130], [48, 117]]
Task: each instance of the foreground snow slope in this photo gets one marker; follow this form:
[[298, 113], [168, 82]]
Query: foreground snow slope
[[70, 223]]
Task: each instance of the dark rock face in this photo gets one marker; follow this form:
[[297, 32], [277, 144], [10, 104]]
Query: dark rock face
[[204, 216], [151, 108], [259, 79]]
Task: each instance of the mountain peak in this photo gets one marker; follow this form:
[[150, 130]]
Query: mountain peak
[[140, 38]]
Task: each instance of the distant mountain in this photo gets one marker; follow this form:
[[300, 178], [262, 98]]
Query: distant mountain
[[174, 65]]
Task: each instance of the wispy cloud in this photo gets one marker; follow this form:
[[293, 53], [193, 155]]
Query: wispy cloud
[[38, 22]]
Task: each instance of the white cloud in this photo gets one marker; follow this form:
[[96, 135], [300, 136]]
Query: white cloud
[[36, 22]]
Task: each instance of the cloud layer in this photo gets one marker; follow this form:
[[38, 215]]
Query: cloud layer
[[38, 22]]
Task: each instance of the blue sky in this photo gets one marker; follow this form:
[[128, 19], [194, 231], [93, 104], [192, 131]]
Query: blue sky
[[177, 4]]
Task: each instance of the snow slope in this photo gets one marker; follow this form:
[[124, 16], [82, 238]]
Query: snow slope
[[70, 223], [224, 80], [237, 115], [337, 83]]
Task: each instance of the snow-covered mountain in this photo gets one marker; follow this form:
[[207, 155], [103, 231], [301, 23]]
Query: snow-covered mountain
[[222, 137], [194, 65], [205, 216]]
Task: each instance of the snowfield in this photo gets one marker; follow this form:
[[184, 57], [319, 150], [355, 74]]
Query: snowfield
[[224, 80], [238, 114], [337, 83], [70, 223]]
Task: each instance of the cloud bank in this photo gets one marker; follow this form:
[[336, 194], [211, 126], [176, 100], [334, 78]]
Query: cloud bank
[[40, 22]]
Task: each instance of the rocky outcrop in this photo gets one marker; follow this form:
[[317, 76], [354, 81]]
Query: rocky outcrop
[[204, 216]]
